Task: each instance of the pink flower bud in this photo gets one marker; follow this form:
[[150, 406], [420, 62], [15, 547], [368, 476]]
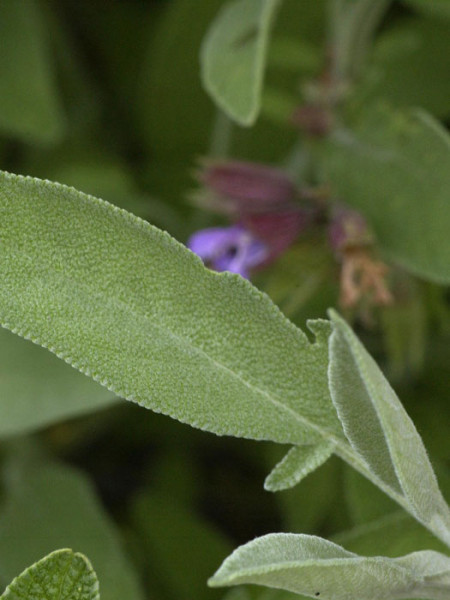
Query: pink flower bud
[[243, 187]]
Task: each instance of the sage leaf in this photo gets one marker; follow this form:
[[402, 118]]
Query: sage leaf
[[298, 462], [382, 170], [318, 568], [233, 57], [62, 575], [380, 430], [37, 389], [129, 306]]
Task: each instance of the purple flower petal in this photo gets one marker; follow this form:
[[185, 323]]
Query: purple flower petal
[[232, 249]]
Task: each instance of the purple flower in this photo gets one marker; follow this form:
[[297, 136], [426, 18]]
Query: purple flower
[[232, 249]]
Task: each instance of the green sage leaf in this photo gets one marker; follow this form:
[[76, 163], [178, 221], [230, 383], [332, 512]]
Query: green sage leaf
[[62, 575], [298, 462], [318, 568], [379, 429], [233, 57], [126, 304], [395, 169]]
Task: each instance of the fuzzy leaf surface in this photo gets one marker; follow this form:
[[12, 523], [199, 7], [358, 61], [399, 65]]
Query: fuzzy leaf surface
[[126, 304], [297, 463], [233, 57], [318, 568], [62, 575], [395, 169], [379, 429]]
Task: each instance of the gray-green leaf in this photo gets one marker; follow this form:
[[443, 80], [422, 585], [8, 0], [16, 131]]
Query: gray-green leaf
[[126, 304], [380, 431], [233, 57], [298, 462], [321, 569], [395, 169], [62, 575]]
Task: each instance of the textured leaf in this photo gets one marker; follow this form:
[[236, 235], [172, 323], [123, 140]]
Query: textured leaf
[[298, 462], [233, 57], [62, 575], [37, 389], [29, 105], [395, 169], [50, 506], [318, 568], [379, 429], [124, 303]]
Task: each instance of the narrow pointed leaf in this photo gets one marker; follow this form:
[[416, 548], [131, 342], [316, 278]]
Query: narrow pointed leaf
[[233, 57], [298, 462], [380, 430], [62, 575], [126, 304], [321, 569], [382, 170]]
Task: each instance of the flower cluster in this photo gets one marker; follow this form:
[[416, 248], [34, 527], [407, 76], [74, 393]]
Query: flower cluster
[[268, 214], [263, 204]]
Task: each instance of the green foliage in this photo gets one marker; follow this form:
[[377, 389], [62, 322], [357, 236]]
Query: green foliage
[[298, 462], [315, 567], [62, 575], [386, 438], [48, 505], [141, 315], [234, 55], [122, 104], [395, 168]]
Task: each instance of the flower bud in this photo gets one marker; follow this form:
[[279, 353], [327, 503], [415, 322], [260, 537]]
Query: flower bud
[[243, 187]]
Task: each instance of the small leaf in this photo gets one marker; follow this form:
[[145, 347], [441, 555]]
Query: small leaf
[[379, 429], [395, 169], [298, 462], [62, 575], [233, 57], [129, 306], [321, 569]]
